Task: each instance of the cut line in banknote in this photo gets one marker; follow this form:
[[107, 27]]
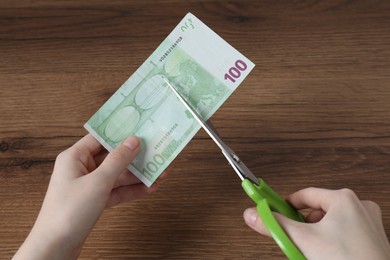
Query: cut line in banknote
[[205, 70]]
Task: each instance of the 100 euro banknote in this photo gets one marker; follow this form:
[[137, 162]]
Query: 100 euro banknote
[[204, 69]]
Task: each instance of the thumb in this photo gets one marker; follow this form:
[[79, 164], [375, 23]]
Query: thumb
[[118, 159], [253, 220]]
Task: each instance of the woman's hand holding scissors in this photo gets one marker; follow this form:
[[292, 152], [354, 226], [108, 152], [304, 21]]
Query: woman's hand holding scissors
[[339, 226]]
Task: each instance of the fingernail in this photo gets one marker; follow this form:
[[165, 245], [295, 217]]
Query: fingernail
[[132, 142], [250, 216]]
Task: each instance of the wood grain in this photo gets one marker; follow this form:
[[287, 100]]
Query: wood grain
[[315, 111]]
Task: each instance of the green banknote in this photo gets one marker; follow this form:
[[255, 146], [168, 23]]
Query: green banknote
[[203, 68]]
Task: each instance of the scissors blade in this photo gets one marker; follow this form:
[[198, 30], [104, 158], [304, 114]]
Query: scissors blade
[[238, 166], [207, 126]]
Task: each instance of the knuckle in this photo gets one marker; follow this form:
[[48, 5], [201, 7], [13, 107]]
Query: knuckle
[[311, 189], [347, 196], [62, 155], [373, 207], [303, 193], [71, 152], [348, 193]]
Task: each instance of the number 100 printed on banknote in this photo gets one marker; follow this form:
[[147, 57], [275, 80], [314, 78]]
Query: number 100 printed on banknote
[[204, 69]]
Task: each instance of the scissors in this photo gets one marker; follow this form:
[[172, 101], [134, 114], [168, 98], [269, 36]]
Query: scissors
[[265, 198]]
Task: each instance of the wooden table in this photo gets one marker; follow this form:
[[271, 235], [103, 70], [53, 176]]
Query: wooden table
[[315, 111]]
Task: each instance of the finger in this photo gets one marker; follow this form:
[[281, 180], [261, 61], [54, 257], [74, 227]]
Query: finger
[[118, 159], [314, 198], [80, 155], [253, 220], [314, 216], [78, 159], [126, 178], [88, 145], [129, 193]]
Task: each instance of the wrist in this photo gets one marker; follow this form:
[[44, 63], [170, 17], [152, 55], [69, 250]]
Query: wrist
[[41, 244]]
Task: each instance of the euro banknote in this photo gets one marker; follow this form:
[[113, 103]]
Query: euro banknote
[[203, 67]]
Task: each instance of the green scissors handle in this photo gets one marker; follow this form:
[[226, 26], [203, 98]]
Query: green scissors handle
[[267, 201]]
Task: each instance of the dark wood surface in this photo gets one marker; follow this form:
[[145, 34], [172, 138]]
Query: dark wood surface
[[315, 111]]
